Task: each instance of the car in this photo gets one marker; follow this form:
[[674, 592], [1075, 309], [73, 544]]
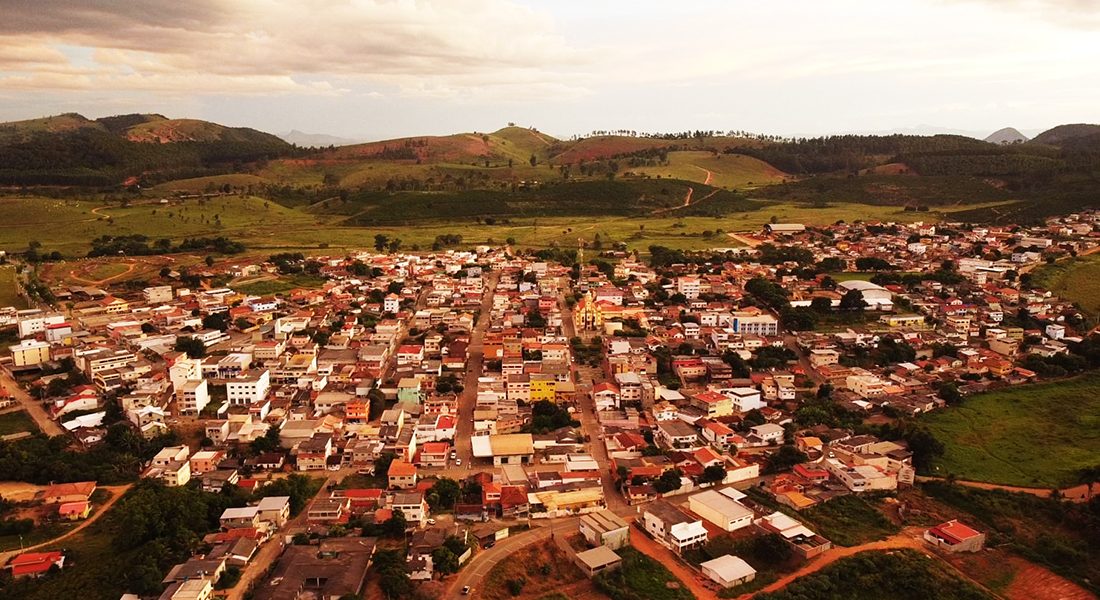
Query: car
[[431, 521], [458, 462], [454, 455], [466, 590]]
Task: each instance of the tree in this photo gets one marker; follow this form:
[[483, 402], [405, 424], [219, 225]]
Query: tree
[[1089, 476], [786, 457], [269, 442], [382, 464], [446, 492], [714, 474], [668, 481], [192, 346], [209, 261], [852, 300], [821, 304], [533, 160], [381, 241], [396, 525], [444, 561]]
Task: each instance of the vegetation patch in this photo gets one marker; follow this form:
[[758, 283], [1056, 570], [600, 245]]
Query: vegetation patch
[[1035, 435], [533, 570], [16, 422], [849, 521], [641, 577], [1060, 536], [9, 288], [899, 575], [1076, 279]]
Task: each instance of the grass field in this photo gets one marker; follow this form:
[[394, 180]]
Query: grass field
[[285, 283], [849, 521], [1076, 279], [1035, 435], [16, 422], [726, 170], [8, 294], [264, 227]]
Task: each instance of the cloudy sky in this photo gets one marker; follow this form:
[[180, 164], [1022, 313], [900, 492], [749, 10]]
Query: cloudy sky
[[383, 68]]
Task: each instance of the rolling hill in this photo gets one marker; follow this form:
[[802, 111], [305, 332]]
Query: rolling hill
[[1062, 133]]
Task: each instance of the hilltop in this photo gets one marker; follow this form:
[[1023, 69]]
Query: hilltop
[[1008, 135], [1063, 133], [132, 127]]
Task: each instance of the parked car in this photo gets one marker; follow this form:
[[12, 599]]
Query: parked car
[[466, 590]]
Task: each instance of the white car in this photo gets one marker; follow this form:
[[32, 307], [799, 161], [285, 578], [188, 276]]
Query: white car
[[431, 521], [458, 462]]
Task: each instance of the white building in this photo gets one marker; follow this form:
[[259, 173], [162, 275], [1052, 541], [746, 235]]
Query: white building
[[250, 387], [728, 571], [721, 510]]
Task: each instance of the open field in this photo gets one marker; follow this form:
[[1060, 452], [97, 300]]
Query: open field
[[8, 286], [264, 227], [543, 569], [1076, 279], [264, 287], [726, 170], [1035, 435], [16, 422], [849, 521]]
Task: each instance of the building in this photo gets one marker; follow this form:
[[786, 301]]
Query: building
[[726, 513], [728, 571], [335, 569], [605, 528], [62, 493], [35, 564], [412, 505], [189, 589], [249, 387], [194, 397], [875, 296], [274, 510], [29, 353], [597, 560], [953, 536], [505, 449], [401, 475], [672, 527]]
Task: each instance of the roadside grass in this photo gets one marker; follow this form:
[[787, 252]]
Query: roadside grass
[[105, 270], [1037, 435], [1076, 279], [641, 577], [538, 569], [849, 521], [16, 422], [9, 295]]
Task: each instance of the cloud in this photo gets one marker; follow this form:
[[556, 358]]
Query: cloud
[[1071, 14], [441, 47]]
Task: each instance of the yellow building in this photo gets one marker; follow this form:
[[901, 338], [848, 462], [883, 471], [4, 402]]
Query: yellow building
[[29, 353], [543, 387]]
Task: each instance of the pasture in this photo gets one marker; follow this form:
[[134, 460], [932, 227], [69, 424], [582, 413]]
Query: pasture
[[1033, 436], [1076, 279]]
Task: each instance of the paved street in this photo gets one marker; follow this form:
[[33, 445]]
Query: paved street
[[32, 406]]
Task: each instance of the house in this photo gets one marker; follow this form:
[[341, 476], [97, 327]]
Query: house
[[953, 536], [63, 493], [726, 513], [74, 511], [274, 510], [335, 569], [329, 511], [401, 475], [597, 560], [800, 538], [728, 571], [677, 434], [412, 505], [245, 516], [189, 589], [605, 528], [35, 564], [672, 527], [766, 434]]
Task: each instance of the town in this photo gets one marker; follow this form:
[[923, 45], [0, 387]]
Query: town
[[422, 417]]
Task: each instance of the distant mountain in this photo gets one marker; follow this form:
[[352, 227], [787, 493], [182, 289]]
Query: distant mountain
[[1062, 133], [71, 149], [1008, 135], [315, 140]]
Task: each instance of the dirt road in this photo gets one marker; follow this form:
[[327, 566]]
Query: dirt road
[[32, 406], [748, 241], [1077, 493], [117, 491]]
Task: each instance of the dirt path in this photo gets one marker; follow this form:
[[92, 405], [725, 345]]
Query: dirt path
[[907, 538], [687, 203], [748, 241], [117, 491], [709, 174], [1033, 582], [130, 266], [33, 407], [644, 544], [1077, 493]]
